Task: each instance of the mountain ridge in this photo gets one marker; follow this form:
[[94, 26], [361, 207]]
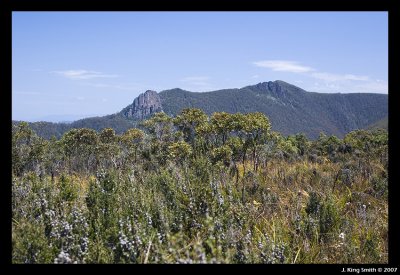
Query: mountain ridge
[[290, 109]]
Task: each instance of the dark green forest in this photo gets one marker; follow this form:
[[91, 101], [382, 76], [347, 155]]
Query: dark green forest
[[199, 188]]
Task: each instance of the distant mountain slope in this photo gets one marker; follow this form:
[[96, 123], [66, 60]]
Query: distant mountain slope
[[290, 109], [49, 129], [380, 124]]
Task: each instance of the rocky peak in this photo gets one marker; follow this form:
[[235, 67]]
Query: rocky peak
[[144, 105], [277, 88]]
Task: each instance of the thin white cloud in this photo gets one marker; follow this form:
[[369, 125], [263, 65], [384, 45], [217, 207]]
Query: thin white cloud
[[325, 76], [283, 66], [338, 77], [83, 74], [376, 86], [330, 82], [356, 77], [295, 67]]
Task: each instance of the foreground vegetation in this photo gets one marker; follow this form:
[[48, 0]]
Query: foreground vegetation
[[199, 189]]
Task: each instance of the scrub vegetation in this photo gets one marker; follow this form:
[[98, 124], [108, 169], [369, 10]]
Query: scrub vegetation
[[199, 189]]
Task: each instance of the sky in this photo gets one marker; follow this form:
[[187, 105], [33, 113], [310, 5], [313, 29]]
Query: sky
[[70, 65]]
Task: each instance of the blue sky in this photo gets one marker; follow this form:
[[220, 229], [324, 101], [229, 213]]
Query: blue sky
[[68, 65]]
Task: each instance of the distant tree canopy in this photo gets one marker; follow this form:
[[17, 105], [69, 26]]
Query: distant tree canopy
[[222, 137]]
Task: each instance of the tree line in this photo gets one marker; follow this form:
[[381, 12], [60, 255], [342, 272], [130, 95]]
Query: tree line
[[227, 139]]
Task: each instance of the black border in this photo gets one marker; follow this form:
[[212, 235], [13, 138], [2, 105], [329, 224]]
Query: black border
[[198, 5], [8, 6]]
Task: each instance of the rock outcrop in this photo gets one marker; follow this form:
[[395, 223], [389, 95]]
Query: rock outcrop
[[143, 106]]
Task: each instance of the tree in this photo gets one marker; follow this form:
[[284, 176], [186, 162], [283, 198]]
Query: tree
[[266, 150], [179, 151], [287, 146], [108, 148], [107, 135], [222, 154], [222, 124], [161, 134], [132, 139], [54, 157], [187, 122], [204, 138], [80, 148], [159, 126], [328, 145], [301, 142], [253, 128], [27, 149], [236, 144]]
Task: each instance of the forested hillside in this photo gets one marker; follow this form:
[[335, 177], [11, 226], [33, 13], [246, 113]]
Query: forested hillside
[[49, 129], [290, 109], [198, 188]]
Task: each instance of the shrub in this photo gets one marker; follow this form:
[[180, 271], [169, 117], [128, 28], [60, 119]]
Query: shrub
[[328, 220], [380, 186], [68, 190], [313, 205]]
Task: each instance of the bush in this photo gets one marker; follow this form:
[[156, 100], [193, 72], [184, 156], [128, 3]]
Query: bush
[[328, 220], [313, 205], [380, 186], [68, 191]]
